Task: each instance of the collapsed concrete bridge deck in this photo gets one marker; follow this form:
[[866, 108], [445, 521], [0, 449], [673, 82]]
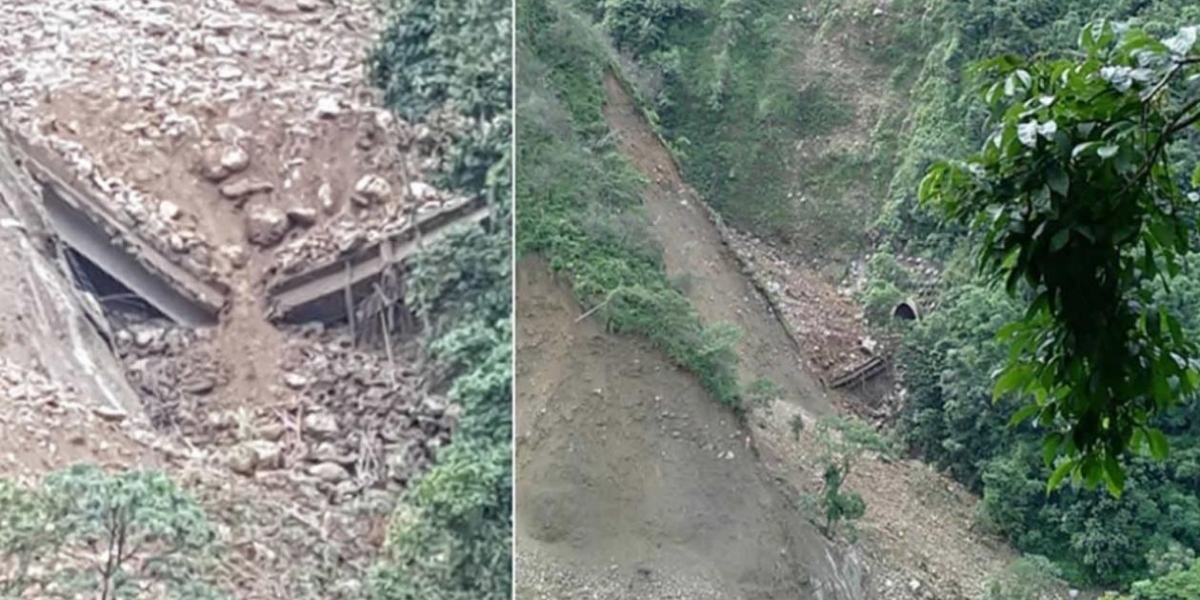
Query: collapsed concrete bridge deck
[[325, 291], [86, 225]]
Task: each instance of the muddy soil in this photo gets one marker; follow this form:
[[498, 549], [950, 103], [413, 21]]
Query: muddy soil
[[633, 483]]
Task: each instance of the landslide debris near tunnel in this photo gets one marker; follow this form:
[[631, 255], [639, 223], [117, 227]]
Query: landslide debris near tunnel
[[176, 171]]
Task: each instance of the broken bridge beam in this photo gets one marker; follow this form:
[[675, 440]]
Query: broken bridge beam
[[861, 372], [86, 224], [320, 293]]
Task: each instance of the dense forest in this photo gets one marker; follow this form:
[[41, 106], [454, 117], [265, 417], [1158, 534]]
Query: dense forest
[[717, 76]]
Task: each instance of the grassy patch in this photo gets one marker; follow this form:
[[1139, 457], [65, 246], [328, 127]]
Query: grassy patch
[[578, 200], [819, 113]]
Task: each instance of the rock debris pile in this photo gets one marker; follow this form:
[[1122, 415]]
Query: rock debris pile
[[365, 422], [210, 124]]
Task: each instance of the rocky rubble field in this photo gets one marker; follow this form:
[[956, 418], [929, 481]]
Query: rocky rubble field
[[241, 140]]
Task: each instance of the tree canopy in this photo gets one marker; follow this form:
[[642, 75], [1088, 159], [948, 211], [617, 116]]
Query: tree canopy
[[1075, 204]]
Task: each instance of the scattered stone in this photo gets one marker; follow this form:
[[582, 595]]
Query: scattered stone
[[235, 160], [302, 216], [373, 188], [295, 381], [176, 243], [210, 164], [325, 195], [321, 425], [329, 472], [236, 255], [227, 72], [242, 460], [281, 7], [145, 337], [328, 107], [200, 385], [267, 455], [109, 413], [243, 188], [422, 191], [272, 432], [308, 5], [168, 210], [266, 226]]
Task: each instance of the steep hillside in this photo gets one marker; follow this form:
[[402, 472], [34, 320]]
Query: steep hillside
[[648, 257], [807, 129]]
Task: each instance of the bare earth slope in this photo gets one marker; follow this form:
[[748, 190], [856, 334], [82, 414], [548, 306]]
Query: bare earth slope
[[632, 483], [918, 534], [692, 248]]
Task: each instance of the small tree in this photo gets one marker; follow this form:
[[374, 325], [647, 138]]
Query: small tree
[[87, 532], [844, 441]]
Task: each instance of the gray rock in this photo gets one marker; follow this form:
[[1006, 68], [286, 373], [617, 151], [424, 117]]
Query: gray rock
[[295, 381], [210, 166], [267, 455], [302, 216], [266, 227], [373, 188], [244, 188], [328, 107], [325, 195], [168, 210], [110, 414], [329, 472], [235, 160], [422, 191], [321, 425], [281, 7], [242, 460], [236, 255]]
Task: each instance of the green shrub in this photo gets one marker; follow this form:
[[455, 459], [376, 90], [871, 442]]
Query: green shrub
[[450, 538], [579, 200]]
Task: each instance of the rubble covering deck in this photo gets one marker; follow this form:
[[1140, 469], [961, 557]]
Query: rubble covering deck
[[85, 225], [318, 294]]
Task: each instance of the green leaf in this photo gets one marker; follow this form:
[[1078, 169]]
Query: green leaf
[[1056, 478], [1050, 448], [1013, 378], [1108, 151], [1159, 448], [1081, 148], [1114, 476], [1060, 239], [1023, 415], [1058, 181]]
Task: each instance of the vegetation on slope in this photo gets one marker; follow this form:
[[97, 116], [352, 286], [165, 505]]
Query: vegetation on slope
[[87, 533], [578, 201], [451, 536]]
